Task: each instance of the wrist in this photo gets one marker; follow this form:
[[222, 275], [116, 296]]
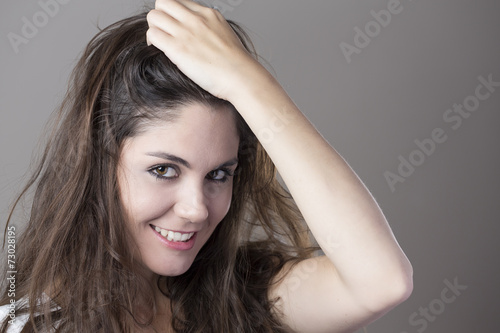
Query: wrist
[[251, 81]]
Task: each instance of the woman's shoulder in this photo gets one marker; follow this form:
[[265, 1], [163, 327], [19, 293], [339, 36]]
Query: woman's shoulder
[[8, 313], [16, 319]]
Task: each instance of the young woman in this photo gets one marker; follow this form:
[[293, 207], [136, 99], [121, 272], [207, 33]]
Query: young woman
[[157, 207]]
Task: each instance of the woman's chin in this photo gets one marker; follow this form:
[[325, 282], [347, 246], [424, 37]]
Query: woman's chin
[[174, 270]]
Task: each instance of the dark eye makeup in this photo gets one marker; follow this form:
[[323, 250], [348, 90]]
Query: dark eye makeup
[[171, 172]]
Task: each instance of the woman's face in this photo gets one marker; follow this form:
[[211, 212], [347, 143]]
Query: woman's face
[[176, 181]]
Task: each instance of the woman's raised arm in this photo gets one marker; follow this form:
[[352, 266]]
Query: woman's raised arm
[[364, 273]]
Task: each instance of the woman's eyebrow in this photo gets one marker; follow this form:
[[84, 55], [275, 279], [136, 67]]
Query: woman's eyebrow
[[170, 157], [228, 163], [177, 159]]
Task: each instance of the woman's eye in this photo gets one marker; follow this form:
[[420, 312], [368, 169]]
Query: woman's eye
[[164, 171], [218, 175]]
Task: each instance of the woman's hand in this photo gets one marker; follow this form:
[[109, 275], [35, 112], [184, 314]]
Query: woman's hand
[[202, 44]]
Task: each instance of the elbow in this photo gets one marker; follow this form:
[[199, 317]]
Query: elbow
[[397, 288], [403, 286], [406, 277], [390, 290]]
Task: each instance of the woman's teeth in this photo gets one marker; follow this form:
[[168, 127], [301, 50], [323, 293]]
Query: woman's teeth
[[174, 236]]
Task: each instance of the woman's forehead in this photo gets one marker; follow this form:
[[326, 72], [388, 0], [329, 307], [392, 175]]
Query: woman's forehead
[[197, 131]]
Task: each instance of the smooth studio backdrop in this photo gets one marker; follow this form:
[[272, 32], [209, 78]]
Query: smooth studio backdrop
[[407, 91]]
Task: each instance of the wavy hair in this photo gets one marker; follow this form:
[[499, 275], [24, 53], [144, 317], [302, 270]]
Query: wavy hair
[[76, 271]]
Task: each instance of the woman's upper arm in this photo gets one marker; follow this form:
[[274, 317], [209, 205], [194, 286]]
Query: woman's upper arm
[[311, 298]]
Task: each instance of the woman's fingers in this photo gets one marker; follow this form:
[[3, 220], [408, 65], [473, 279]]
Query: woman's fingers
[[162, 27], [157, 36], [200, 42], [183, 10], [176, 17], [176, 5], [176, 9], [164, 22]]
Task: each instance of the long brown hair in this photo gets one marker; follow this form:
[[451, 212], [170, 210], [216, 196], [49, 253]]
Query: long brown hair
[[76, 247]]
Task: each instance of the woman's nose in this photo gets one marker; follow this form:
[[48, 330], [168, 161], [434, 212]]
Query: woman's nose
[[191, 205]]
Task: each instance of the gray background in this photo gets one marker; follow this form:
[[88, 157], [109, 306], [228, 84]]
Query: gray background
[[396, 90]]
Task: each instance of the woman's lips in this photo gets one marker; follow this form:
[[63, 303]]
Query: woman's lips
[[175, 239]]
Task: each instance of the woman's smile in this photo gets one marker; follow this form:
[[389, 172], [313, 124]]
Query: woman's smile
[[173, 236], [175, 240]]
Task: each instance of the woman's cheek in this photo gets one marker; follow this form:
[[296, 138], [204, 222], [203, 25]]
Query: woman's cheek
[[219, 198], [151, 202], [227, 200]]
